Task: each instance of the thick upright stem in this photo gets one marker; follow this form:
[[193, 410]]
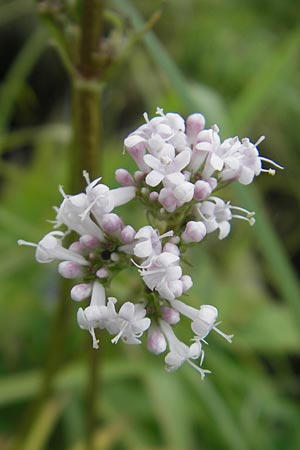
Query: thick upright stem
[[86, 151], [84, 154]]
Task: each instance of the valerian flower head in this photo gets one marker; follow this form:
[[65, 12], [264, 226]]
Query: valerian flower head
[[180, 166]]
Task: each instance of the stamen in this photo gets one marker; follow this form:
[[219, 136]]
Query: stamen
[[215, 128], [86, 177], [87, 210], [61, 190], [95, 340], [251, 220], [225, 336], [151, 272], [160, 111], [269, 171], [248, 213], [140, 267], [146, 117], [167, 234], [273, 163], [202, 372], [202, 357], [259, 141], [29, 244], [211, 219], [116, 338]]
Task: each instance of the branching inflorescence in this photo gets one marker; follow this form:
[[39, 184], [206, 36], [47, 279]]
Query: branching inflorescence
[[181, 166]]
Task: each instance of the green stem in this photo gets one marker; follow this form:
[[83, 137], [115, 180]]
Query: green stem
[[86, 133], [85, 153]]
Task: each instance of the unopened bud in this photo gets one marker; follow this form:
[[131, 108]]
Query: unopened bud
[[127, 234], [81, 291], [111, 223], [194, 232], [89, 241], [156, 342], [124, 177], [77, 247], [153, 196], [70, 269], [102, 273], [115, 256], [194, 124], [170, 315], [202, 190], [171, 248]]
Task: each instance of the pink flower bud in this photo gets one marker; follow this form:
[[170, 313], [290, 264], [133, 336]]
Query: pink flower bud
[[102, 273], [194, 124], [127, 234], [171, 248], [167, 199], [81, 291], [170, 315], [124, 177], [202, 190], [156, 342], [187, 282], [70, 269], [89, 241], [77, 247], [194, 232], [136, 148], [153, 196], [111, 222]]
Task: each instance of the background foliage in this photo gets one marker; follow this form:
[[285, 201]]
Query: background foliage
[[238, 63]]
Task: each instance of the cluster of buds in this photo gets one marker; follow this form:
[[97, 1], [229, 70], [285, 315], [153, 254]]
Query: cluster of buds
[[180, 166]]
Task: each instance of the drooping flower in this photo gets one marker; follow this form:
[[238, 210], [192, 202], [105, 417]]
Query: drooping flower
[[180, 352], [50, 248], [203, 319]]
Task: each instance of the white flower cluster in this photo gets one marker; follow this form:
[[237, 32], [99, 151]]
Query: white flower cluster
[[180, 166]]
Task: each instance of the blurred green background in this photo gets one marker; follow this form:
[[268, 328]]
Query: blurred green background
[[236, 61]]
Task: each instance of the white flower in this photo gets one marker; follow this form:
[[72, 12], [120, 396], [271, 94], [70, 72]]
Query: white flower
[[176, 192], [165, 165], [180, 352], [216, 214], [156, 342], [203, 319], [242, 161], [194, 232], [102, 200], [163, 275], [50, 248], [205, 151], [71, 214], [94, 315], [149, 242], [132, 323]]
